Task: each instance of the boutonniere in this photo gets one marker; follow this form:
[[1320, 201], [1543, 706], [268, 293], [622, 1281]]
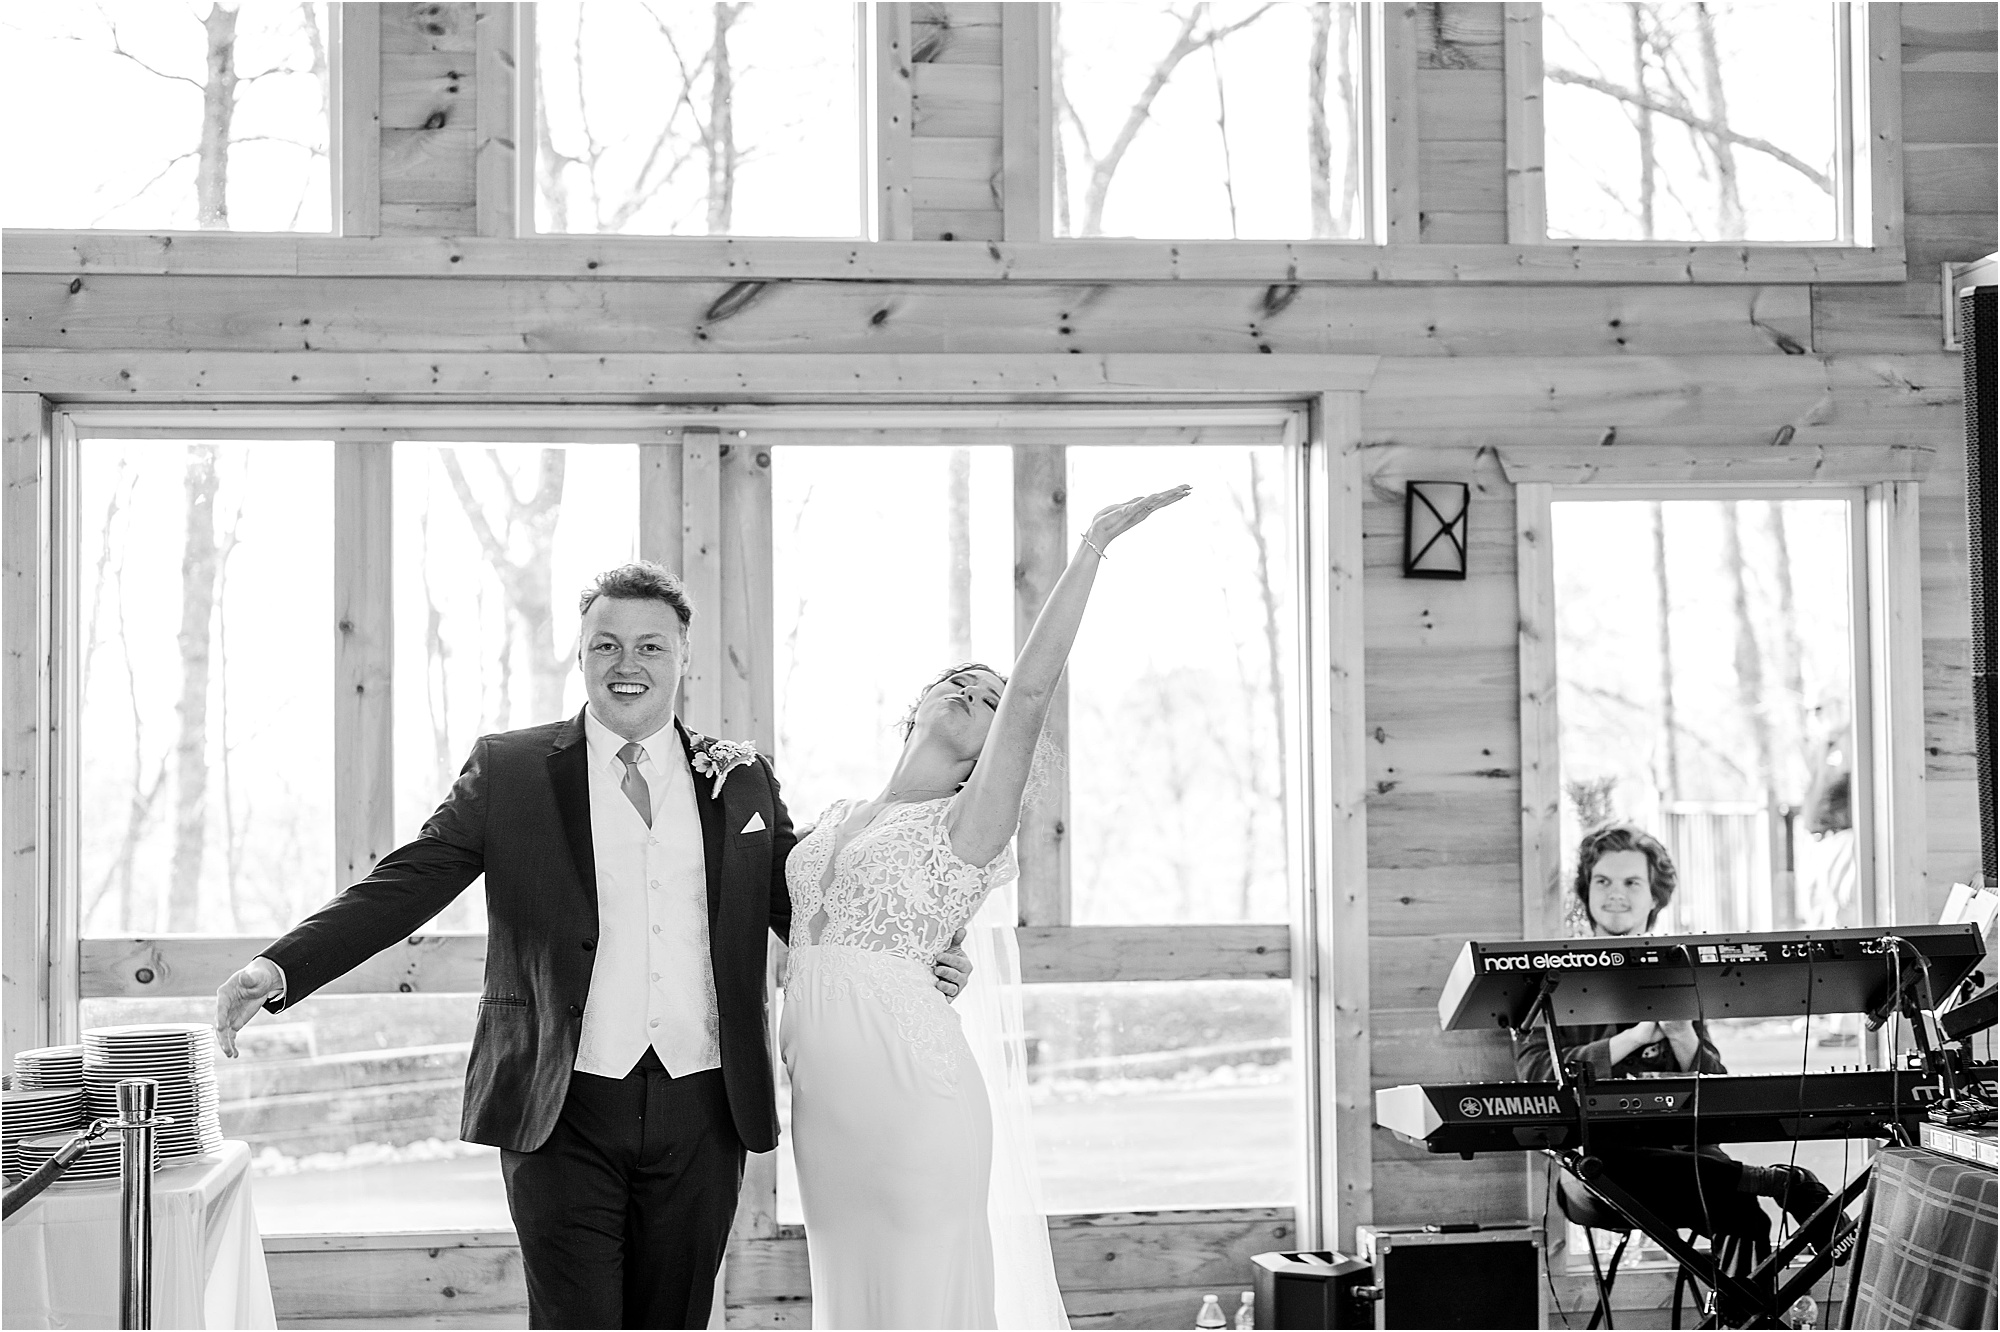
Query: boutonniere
[[718, 758]]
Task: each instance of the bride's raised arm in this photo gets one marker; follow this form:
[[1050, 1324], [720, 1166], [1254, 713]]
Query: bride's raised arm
[[986, 812]]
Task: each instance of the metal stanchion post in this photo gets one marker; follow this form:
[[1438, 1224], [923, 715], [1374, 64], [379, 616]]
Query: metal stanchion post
[[137, 1098]]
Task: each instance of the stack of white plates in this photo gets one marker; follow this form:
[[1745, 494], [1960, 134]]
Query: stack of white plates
[[100, 1160], [180, 1056], [50, 1066], [34, 1112]]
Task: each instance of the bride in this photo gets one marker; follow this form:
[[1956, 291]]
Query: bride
[[891, 1125]]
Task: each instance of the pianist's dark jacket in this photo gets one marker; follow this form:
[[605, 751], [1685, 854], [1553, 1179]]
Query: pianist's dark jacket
[[1592, 1046]]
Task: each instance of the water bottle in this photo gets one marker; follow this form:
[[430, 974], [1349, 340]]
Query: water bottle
[[1210, 1315], [1246, 1312]]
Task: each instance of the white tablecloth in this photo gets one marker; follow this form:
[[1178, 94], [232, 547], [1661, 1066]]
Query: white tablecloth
[[61, 1252]]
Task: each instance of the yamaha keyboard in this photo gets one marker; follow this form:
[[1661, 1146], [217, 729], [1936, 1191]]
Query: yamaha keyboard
[[1676, 1111]]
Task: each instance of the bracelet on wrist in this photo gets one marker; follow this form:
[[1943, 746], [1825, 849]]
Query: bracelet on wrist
[[1094, 546]]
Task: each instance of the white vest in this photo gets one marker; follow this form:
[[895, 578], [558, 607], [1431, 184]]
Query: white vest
[[653, 982]]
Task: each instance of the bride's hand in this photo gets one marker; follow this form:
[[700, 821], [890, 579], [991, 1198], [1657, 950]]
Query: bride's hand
[[953, 968], [1115, 520]]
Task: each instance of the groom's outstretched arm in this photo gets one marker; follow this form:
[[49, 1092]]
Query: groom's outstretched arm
[[405, 889]]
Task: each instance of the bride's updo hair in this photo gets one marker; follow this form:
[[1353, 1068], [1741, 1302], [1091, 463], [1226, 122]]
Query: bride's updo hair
[[1047, 763], [909, 722]]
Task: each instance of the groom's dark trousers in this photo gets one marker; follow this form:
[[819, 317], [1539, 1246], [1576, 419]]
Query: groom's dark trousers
[[622, 1189]]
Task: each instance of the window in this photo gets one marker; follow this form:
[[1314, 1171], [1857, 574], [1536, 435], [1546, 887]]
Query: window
[[1176, 796], [692, 119], [847, 563], [1230, 120], [1178, 693], [137, 129], [1671, 121], [1706, 656], [1706, 665], [207, 688]]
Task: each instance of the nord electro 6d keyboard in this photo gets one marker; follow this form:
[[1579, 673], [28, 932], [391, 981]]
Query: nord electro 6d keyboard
[[1681, 977], [1471, 1117]]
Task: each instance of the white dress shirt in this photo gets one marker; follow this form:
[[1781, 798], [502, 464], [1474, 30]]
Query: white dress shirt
[[653, 982]]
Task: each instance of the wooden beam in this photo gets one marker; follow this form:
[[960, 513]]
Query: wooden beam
[[25, 788], [749, 707], [364, 712], [701, 574], [735, 259], [453, 962], [1142, 1263], [891, 128], [1896, 710], [1041, 553], [356, 131], [184, 966], [1693, 464], [577, 377], [1397, 173], [660, 505], [1527, 193], [1095, 954], [1541, 772], [497, 157], [1337, 926], [137, 312], [1027, 188], [1881, 87]]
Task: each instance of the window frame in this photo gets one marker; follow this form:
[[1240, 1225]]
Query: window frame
[[1868, 170], [1324, 938]]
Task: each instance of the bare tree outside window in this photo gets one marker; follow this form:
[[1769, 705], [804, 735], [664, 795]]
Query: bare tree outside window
[[199, 115], [666, 117], [1670, 120], [207, 727], [1216, 118]]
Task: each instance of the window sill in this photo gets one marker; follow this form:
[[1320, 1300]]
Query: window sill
[[768, 259]]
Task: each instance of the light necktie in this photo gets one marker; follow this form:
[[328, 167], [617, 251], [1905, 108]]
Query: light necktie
[[634, 783]]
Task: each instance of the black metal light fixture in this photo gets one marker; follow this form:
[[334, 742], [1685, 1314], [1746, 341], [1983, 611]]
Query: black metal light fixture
[[1435, 518]]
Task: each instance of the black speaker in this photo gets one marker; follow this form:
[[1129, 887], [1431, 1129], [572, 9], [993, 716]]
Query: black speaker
[[1976, 313]]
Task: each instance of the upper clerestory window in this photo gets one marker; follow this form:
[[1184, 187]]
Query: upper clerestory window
[[1229, 120], [135, 114], [1687, 121]]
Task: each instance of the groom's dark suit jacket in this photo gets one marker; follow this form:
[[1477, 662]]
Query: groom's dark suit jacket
[[520, 814]]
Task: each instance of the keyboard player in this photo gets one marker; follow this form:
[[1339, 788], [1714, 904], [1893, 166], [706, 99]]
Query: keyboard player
[[1624, 879]]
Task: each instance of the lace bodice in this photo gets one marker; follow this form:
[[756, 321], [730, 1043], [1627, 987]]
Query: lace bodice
[[898, 887]]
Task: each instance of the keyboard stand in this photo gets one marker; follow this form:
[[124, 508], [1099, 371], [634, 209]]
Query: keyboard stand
[[1758, 1300]]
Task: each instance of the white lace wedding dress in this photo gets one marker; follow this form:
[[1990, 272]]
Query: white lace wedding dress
[[891, 1123]]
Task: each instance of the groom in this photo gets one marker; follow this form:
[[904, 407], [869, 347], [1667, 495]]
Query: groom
[[620, 1061]]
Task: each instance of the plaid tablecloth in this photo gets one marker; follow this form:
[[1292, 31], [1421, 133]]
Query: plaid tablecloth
[[1930, 1243]]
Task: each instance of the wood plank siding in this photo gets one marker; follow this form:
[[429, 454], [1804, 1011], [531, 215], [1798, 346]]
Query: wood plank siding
[[1460, 341]]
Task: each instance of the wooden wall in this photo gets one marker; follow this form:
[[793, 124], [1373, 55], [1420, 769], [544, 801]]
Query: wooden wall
[[1461, 123], [429, 119], [1466, 368], [956, 122]]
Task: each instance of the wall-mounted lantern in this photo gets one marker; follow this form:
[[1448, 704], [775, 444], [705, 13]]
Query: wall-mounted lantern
[[1435, 518]]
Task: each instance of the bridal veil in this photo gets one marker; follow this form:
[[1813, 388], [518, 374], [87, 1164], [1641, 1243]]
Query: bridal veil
[[989, 1009]]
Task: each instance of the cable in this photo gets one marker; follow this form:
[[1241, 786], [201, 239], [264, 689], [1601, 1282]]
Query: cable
[[1694, 1117], [1805, 1058]]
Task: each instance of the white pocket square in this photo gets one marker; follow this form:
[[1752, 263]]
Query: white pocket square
[[756, 823]]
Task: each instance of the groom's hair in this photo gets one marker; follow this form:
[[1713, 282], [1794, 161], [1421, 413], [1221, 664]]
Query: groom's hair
[[909, 722], [641, 580]]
